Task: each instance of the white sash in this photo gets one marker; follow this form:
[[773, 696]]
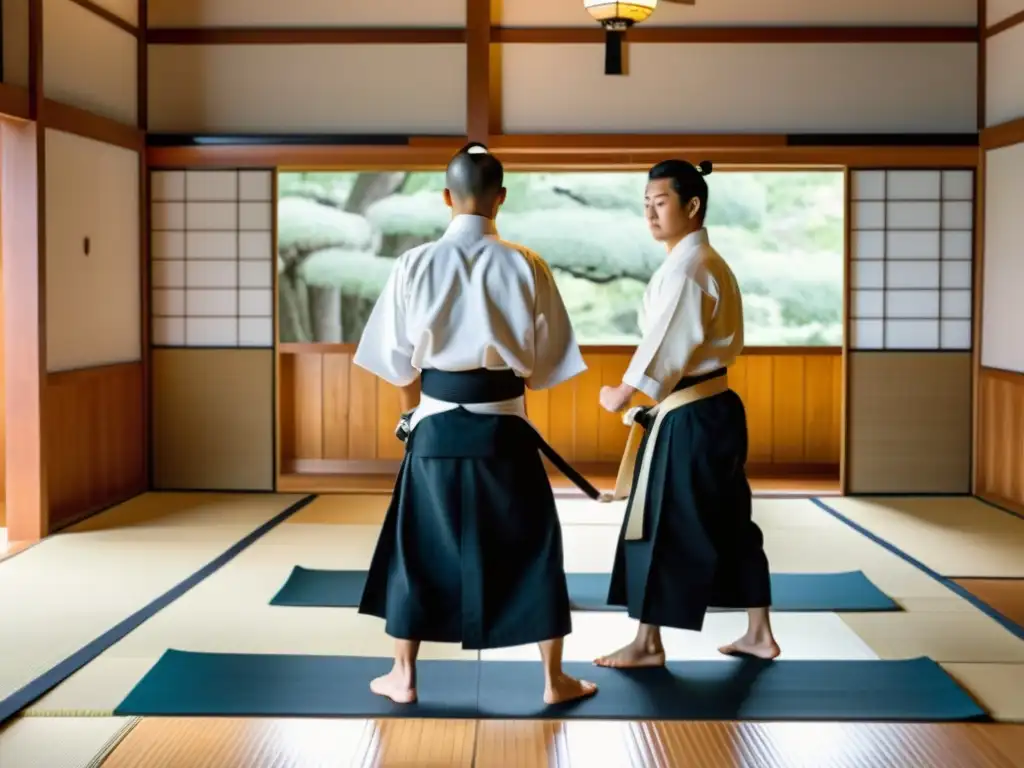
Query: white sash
[[684, 397]]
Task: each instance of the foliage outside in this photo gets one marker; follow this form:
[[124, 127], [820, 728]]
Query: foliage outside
[[782, 233]]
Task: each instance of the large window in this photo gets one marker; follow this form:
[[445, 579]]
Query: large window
[[782, 233]]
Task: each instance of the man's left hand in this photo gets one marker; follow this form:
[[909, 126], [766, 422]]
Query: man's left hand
[[614, 399]]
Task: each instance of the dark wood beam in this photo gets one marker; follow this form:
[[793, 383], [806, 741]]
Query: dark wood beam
[[1003, 135], [783, 35], [1008, 23], [64, 117], [15, 101], [109, 16], [304, 36]]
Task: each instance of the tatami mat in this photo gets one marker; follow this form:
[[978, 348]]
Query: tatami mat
[[802, 636], [71, 588], [966, 637], [999, 688], [956, 536], [67, 742], [230, 611]]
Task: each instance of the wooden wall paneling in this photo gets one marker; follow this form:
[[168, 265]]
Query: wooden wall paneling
[[610, 440], [758, 399], [362, 435], [1000, 454], [337, 418], [389, 409], [788, 409], [336, 399], [308, 405], [96, 450]]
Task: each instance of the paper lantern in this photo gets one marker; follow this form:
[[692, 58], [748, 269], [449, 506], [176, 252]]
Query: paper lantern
[[616, 18]]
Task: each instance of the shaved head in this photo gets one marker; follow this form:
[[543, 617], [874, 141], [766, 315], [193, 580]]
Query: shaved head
[[475, 177]]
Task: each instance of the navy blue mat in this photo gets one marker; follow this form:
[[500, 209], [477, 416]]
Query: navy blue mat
[[253, 685], [851, 592]]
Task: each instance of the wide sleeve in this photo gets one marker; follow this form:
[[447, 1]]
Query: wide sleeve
[[384, 349], [557, 356], [675, 331]]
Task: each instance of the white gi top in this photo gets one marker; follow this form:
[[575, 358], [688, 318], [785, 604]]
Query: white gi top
[[469, 301], [691, 320]]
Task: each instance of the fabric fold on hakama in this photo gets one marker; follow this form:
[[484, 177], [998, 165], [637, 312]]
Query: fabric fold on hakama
[[699, 547], [471, 547]]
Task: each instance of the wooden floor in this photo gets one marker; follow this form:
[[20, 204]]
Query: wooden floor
[[255, 743], [1005, 595]]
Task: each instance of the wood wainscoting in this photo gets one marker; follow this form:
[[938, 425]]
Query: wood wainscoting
[[96, 446], [335, 418], [1000, 439]]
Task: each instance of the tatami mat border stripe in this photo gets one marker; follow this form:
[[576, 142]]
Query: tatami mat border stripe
[[63, 670], [1008, 624]]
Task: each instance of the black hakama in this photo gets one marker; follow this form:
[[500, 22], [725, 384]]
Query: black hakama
[[471, 547], [700, 546]]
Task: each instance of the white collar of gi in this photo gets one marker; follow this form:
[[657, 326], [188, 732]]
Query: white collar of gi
[[691, 242], [467, 225]]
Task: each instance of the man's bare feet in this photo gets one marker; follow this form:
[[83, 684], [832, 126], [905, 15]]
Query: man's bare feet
[[395, 685], [564, 688], [759, 647], [633, 656]]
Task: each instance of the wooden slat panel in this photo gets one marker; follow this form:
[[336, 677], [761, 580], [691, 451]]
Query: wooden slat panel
[[758, 399], [336, 372], [793, 402], [1001, 436], [308, 406], [788, 410], [538, 409], [562, 418], [822, 399], [97, 453], [362, 415], [611, 432], [389, 409]]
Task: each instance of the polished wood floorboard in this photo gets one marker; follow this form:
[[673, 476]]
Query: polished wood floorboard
[[262, 743], [1005, 595]]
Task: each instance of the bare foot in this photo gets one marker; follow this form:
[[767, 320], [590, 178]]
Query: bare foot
[[761, 648], [633, 656], [564, 688], [395, 685]]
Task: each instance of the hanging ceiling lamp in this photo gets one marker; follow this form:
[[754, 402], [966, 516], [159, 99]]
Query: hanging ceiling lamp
[[616, 18]]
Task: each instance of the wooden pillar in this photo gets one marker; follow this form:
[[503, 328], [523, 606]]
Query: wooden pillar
[[23, 225], [483, 70], [24, 300]]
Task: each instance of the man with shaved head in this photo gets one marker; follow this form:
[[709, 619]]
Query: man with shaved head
[[470, 551]]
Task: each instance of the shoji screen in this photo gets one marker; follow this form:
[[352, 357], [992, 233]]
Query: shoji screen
[[212, 258], [912, 251]]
